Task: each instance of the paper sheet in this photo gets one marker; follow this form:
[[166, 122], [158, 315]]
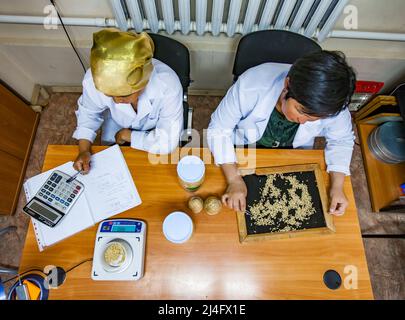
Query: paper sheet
[[109, 186], [108, 190]]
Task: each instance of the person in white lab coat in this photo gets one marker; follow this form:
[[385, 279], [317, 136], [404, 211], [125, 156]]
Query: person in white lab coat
[[286, 106], [139, 99]]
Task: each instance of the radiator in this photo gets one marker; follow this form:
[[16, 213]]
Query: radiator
[[312, 18]]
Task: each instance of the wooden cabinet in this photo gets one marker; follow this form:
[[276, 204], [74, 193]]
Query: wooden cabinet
[[383, 179], [18, 123]]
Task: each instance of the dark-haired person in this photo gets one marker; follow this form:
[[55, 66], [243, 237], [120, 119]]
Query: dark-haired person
[[287, 106], [139, 99]]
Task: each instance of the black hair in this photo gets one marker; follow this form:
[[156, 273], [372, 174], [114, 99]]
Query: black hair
[[322, 82]]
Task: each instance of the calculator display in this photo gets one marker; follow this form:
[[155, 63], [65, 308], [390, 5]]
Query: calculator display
[[43, 211]]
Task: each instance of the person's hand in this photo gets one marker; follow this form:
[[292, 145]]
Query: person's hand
[[82, 162], [122, 136], [235, 195], [338, 201]]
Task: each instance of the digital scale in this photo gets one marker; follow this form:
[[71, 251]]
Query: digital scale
[[54, 199], [130, 236]]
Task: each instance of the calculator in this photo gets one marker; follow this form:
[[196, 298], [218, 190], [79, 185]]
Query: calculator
[[54, 199]]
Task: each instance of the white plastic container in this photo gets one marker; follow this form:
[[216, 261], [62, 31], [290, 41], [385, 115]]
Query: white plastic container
[[178, 227], [191, 172]]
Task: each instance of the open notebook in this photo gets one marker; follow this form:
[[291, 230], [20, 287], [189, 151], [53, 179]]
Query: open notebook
[[109, 190]]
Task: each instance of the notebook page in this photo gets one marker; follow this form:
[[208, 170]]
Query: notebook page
[[109, 186], [78, 218], [35, 224]]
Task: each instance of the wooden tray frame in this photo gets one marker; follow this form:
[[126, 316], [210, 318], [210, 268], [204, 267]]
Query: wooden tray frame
[[330, 227]]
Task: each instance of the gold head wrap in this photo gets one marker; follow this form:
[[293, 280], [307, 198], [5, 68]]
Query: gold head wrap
[[121, 62]]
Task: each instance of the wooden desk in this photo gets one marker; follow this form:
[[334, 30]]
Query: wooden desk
[[212, 264]]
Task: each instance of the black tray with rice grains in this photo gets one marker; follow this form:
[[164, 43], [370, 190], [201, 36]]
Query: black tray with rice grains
[[284, 202]]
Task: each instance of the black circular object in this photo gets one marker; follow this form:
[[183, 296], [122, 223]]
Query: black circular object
[[332, 279], [387, 142]]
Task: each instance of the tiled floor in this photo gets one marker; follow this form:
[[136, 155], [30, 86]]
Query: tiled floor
[[386, 257]]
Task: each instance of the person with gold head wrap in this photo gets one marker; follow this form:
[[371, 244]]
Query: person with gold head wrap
[[138, 98]]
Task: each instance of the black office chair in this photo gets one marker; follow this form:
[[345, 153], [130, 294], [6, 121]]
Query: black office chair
[[4, 270], [271, 46], [177, 57]]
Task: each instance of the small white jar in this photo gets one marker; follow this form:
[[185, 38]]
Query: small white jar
[[178, 227], [191, 172]]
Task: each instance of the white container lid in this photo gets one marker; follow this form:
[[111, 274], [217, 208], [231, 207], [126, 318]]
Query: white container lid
[[178, 227], [191, 169]]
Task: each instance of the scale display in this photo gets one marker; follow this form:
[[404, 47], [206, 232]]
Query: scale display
[[121, 226], [123, 229]]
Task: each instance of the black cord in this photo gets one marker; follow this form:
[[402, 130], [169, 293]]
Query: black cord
[[67, 34], [40, 271], [79, 264], [25, 272]]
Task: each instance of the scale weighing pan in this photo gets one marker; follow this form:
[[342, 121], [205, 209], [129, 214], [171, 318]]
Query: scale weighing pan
[[119, 250]]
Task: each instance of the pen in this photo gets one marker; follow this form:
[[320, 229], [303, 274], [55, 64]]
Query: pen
[[73, 177]]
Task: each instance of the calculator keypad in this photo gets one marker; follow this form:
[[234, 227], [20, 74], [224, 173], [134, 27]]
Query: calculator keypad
[[58, 193]]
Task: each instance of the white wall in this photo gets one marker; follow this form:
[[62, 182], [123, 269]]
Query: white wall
[[15, 76], [30, 54]]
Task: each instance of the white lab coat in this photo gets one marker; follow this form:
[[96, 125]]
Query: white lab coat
[[157, 124], [243, 114]]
